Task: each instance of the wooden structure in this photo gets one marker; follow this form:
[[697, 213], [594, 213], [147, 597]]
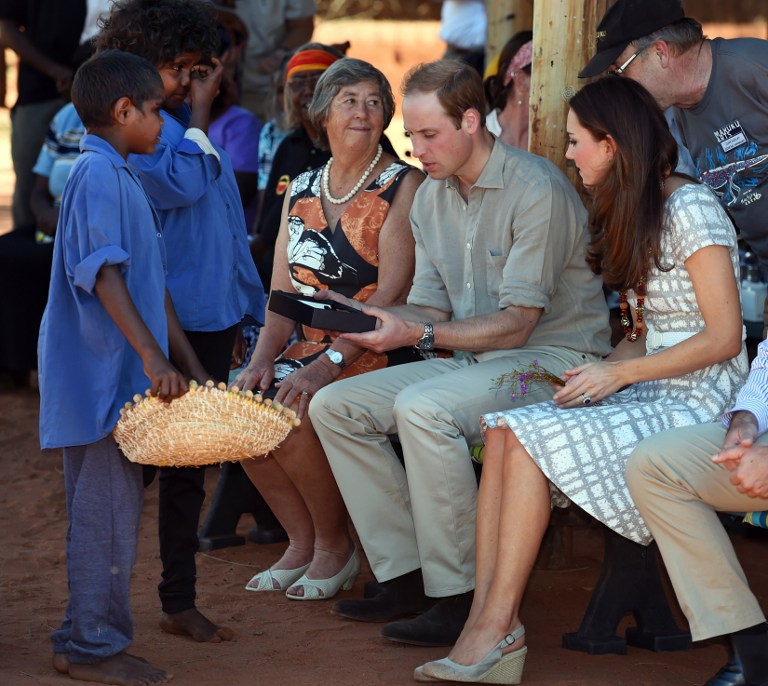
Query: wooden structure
[[563, 42]]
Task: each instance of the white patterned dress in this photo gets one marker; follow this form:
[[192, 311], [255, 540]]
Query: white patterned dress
[[583, 451]]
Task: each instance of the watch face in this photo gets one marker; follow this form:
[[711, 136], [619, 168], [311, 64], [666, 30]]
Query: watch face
[[335, 356]]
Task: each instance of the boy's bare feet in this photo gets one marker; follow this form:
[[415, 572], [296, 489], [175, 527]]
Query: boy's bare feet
[[122, 669], [61, 663], [194, 624]]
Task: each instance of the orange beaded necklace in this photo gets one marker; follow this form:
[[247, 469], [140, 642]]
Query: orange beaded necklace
[[633, 333]]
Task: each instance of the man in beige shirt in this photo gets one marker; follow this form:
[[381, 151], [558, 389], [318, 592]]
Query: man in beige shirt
[[500, 281]]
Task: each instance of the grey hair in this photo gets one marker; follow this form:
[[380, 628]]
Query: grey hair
[[346, 72], [681, 35]]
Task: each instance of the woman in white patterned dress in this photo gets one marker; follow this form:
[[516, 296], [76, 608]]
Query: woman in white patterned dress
[[665, 243]]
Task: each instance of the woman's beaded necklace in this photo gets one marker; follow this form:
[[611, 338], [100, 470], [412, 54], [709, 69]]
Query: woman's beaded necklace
[[327, 173], [630, 333]]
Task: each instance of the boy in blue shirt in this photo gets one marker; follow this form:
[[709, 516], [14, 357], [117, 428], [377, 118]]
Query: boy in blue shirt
[[211, 275], [105, 335]]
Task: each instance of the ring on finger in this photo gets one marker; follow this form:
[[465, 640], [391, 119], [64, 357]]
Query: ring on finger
[[585, 400]]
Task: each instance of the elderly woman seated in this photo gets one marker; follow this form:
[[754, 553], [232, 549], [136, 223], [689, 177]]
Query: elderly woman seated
[[344, 227]]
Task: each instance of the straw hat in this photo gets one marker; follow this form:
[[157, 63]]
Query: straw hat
[[206, 425]]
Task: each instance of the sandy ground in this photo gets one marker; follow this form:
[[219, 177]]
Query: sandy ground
[[277, 640]]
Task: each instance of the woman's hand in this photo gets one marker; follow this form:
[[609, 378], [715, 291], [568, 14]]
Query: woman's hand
[[593, 381], [257, 375], [302, 384]]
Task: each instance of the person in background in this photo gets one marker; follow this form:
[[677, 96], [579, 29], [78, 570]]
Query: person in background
[[345, 227], [666, 244], [508, 91], [463, 25], [272, 133], [45, 35], [717, 92], [298, 152], [275, 29], [25, 254], [234, 128]]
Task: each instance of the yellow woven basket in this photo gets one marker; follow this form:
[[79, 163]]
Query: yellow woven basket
[[206, 425]]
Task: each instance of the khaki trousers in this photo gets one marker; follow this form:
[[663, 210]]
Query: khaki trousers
[[678, 490], [423, 515]]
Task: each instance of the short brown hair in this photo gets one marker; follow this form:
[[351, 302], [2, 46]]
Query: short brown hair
[[457, 85]]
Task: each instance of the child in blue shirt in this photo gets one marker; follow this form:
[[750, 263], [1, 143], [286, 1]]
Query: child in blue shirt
[[105, 336], [211, 276]]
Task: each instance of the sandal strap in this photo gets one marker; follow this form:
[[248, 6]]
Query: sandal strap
[[512, 637]]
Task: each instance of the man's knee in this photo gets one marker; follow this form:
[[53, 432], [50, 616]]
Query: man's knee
[[414, 404], [644, 462], [322, 401]]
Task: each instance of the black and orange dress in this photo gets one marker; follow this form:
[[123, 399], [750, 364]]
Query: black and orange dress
[[345, 260]]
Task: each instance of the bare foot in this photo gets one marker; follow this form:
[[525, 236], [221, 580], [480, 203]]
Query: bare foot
[[120, 670], [194, 624], [60, 663]]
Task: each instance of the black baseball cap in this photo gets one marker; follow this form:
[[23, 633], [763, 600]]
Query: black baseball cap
[[626, 21]]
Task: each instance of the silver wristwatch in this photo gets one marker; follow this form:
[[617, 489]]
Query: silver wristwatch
[[426, 344], [336, 357]]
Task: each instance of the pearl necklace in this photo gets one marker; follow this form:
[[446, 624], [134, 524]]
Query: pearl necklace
[[327, 173]]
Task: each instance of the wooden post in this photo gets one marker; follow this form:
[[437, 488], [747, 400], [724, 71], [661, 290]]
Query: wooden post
[[505, 19], [563, 42]]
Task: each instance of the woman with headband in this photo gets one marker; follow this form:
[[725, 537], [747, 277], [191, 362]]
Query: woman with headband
[[344, 227], [508, 91]]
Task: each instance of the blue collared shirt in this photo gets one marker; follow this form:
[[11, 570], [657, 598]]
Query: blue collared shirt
[[88, 370], [754, 396], [211, 275]]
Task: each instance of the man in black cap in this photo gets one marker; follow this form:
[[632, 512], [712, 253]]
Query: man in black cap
[[718, 92]]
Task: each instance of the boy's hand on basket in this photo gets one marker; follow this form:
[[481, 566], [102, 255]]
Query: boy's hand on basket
[[165, 381]]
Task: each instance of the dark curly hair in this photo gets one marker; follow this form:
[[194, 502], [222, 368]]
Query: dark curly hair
[[160, 30]]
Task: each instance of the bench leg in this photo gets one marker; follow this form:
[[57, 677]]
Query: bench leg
[[629, 582], [235, 495]]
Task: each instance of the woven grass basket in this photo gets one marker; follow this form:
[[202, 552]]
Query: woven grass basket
[[207, 425]]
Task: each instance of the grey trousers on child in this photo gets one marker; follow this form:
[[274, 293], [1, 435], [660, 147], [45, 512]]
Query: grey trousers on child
[[104, 494]]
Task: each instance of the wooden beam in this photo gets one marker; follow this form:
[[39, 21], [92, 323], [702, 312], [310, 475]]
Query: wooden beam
[[505, 19], [563, 42]]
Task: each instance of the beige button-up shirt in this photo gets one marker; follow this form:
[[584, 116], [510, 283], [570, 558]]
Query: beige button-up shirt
[[519, 240]]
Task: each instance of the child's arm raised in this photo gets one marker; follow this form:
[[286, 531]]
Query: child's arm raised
[[180, 348], [165, 380], [203, 90]]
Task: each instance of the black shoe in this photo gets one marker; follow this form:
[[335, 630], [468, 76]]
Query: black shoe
[[401, 597], [731, 674], [439, 626], [747, 660]]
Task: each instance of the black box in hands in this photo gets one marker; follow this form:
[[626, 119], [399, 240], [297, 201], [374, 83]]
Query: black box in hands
[[320, 314]]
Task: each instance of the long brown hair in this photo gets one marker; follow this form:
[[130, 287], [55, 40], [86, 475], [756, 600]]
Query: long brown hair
[[628, 205]]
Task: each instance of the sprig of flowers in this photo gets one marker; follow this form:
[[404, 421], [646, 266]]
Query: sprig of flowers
[[519, 379]]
